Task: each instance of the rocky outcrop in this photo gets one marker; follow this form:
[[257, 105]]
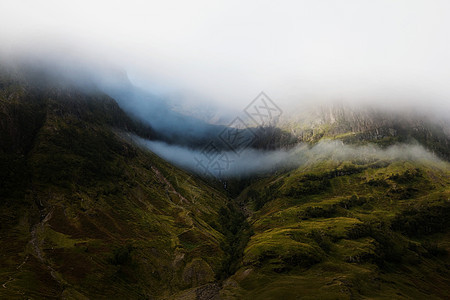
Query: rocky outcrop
[[197, 272], [356, 125]]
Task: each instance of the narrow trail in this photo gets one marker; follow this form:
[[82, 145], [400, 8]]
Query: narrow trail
[[169, 187], [11, 278], [38, 251], [34, 242]]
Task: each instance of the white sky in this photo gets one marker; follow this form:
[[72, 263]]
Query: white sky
[[228, 51]]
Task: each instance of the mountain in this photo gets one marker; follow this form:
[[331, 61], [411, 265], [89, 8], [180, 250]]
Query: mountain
[[347, 230], [365, 218], [85, 212], [363, 124]]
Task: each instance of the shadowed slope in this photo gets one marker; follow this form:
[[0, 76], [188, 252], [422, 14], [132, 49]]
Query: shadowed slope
[[85, 212]]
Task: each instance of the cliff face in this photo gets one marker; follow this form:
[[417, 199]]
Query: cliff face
[[362, 125]]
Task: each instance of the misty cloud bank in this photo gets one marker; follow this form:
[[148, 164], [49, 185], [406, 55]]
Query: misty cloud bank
[[386, 53], [251, 161], [178, 58]]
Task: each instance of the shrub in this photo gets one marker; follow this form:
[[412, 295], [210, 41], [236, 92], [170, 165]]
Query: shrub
[[352, 201], [424, 220], [321, 239], [122, 255], [319, 212], [433, 249]]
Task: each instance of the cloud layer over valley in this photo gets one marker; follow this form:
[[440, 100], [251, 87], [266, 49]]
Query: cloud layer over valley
[[252, 162], [187, 69]]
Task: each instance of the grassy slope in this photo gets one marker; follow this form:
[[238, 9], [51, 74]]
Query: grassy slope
[[348, 230], [83, 212]]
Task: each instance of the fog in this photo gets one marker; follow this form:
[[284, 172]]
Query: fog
[[251, 162], [189, 68], [223, 53]]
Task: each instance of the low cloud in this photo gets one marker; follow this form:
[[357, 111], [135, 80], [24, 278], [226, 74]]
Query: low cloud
[[250, 161]]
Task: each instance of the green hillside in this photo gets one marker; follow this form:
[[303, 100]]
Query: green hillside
[[348, 230], [85, 213]]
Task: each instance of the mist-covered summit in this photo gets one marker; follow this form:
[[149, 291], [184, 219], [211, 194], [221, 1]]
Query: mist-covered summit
[[351, 123], [338, 191], [184, 139], [223, 150]]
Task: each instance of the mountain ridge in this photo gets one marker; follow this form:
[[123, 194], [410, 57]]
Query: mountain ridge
[[87, 213], [78, 192]]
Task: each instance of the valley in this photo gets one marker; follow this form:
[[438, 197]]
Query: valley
[[87, 213]]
